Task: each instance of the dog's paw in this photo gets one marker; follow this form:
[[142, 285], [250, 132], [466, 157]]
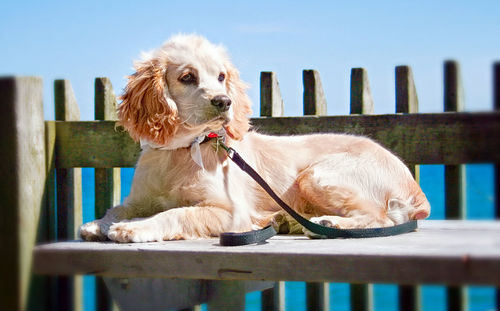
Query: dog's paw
[[93, 231], [326, 221], [134, 231]]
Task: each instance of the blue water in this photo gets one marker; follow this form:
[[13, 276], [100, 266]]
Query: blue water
[[480, 205]]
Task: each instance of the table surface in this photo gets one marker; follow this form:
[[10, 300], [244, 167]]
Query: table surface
[[439, 252]]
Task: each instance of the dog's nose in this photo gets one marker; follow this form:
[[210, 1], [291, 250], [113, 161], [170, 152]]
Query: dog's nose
[[222, 102]]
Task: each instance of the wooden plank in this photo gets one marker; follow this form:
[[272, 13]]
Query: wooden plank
[[454, 175], [43, 292], [407, 102], [107, 180], [314, 97], [105, 100], [271, 103], [440, 252], [69, 200], [406, 93], [50, 192], [94, 144], [23, 171], [361, 295], [317, 294], [69, 181], [410, 297], [274, 298], [361, 97], [416, 138], [496, 107]]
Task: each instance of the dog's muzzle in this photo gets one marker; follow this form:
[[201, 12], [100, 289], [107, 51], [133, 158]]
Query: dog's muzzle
[[221, 102]]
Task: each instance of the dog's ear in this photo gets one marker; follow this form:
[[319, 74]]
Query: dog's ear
[[242, 106], [147, 111]]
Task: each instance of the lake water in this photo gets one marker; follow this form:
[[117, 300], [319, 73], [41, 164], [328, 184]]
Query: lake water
[[480, 205]]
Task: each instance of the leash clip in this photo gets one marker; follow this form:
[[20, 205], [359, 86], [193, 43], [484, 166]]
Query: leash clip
[[220, 142]]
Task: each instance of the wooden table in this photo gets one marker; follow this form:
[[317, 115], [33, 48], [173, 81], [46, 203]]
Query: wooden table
[[444, 252]]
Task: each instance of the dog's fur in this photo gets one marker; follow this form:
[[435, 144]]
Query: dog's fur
[[340, 181]]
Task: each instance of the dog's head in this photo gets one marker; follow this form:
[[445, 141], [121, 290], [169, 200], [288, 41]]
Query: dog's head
[[181, 90]]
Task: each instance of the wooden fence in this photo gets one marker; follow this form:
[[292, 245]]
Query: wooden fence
[[42, 192]]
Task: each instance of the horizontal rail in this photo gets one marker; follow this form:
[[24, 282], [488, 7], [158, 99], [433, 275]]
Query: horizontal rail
[[440, 252], [98, 144], [431, 138]]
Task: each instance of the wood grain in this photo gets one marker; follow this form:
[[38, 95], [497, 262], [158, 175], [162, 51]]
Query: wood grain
[[433, 138], [440, 252]]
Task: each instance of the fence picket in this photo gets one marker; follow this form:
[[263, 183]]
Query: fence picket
[[271, 105], [69, 199], [314, 97], [454, 175], [107, 180], [23, 169], [496, 107], [361, 103], [407, 102], [361, 96], [317, 294]]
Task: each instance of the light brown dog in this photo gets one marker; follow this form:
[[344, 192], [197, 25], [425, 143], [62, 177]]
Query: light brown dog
[[185, 189]]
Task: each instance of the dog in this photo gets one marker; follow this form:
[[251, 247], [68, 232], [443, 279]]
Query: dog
[[185, 188]]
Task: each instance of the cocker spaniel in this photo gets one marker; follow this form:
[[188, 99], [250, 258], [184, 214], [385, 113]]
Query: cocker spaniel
[[186, 188]]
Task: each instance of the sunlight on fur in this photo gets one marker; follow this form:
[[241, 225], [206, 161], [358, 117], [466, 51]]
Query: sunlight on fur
[[188, 88]]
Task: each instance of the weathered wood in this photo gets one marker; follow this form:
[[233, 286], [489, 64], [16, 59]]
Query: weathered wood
[[455, 193], [410, 298], [274, 298], [361, 97], [23, 171], [361, 295], [454, 175], [417, 138], [271, 103], [317, 294], [407, 102], [50, 188], [69, 181], [421, 138], [314, 97], [156, 294], [96, 144], [69, 200], [496, 107], [228, 296], [105, 100], [106, 180], [43, 289], [406, 93], [440, 252]]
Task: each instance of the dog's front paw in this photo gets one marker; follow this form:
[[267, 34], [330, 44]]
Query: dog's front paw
[[93, 231], [326, 221], [134, 231]]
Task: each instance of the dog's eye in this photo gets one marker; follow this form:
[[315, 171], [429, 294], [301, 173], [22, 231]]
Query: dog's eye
[[188, 78], [222, 77]]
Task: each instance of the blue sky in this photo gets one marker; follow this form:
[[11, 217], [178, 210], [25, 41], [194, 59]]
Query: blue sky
[[80, 40]]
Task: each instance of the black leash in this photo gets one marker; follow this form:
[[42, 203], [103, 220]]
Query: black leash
[[259, 236]]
